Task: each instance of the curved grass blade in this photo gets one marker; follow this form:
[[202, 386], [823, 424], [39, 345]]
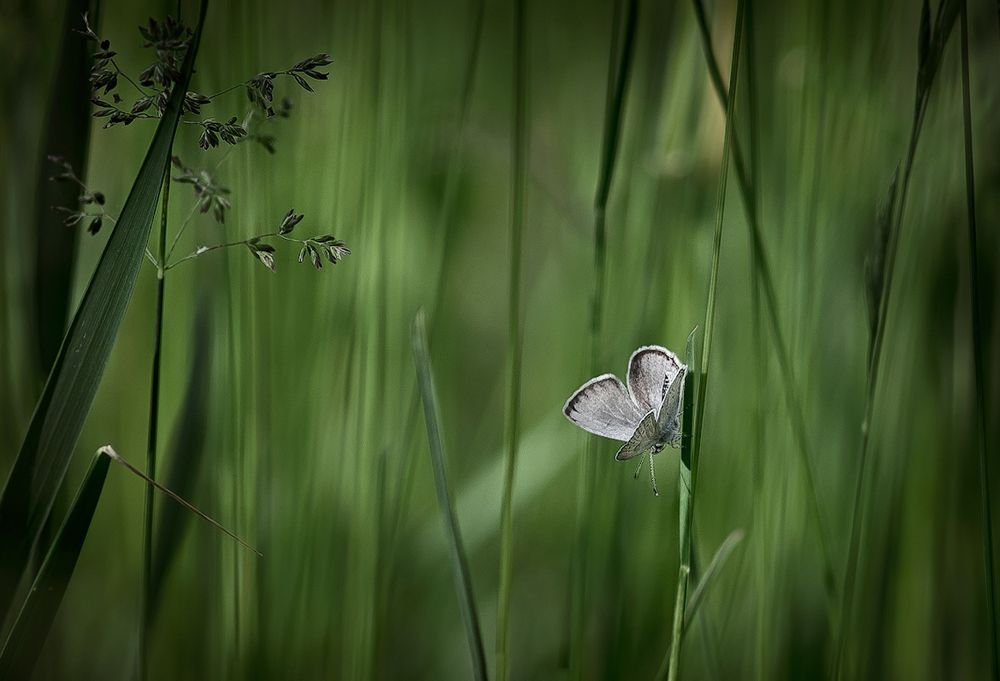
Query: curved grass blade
[[722, 554], [459, 561], [69, 392], [67, 134], [683, 622], [27, 636]]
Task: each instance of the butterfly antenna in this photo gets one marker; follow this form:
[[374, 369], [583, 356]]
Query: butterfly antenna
[[638, 468], [652, 475]]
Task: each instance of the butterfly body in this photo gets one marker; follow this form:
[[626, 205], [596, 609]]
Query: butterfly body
[[645, 414]]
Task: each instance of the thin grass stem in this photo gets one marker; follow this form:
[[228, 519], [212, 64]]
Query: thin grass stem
[[151, 442]]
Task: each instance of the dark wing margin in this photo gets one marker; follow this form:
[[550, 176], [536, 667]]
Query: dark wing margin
[[643, 438], [602, 406], [649, 368]]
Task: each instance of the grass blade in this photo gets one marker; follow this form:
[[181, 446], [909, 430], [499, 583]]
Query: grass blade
[[929, 59], [27, 636], [722, 554], [62, 409], [765, 280], [674, 659], [518, 176], [684, 619], [459, 561], [979, 375], [67, 134]]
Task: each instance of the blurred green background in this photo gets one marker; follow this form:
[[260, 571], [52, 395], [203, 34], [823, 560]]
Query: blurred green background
[[304, 409]]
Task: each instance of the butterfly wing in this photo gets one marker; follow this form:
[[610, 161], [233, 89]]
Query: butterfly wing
[[649, 369], [673, 390], [644, 437], [602, 406]]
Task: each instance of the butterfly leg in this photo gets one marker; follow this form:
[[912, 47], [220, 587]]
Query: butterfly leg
[[652, 475], [638, 468]]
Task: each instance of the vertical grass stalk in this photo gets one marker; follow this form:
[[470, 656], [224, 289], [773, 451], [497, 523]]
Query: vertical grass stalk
[[518, 173], [619, 69], [765, 279], [720, 205], [929, 50], [154, 419], [977, 349]]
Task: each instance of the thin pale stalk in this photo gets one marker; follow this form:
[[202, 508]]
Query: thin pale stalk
[[977, 349]]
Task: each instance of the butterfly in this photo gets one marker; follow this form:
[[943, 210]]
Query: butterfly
[[646, 415]]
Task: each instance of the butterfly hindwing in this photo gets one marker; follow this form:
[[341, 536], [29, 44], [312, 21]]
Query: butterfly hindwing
[[644, 437], [649, 369], [602, 406]]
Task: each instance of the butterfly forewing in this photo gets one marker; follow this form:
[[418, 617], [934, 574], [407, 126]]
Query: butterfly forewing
[[602, 406], [673, 390], [645, 436], [649, 370]]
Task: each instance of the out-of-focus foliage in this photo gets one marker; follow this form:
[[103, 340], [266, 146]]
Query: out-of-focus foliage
[[313, 444]]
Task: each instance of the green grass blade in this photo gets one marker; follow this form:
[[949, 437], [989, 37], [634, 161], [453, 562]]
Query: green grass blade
[[459, 561], [674, 658], [979, 373], [765, 280], [929, 60], [67, 134], [722, 555], [76, 374], [518, 177], [30, 629], [684, 616]]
